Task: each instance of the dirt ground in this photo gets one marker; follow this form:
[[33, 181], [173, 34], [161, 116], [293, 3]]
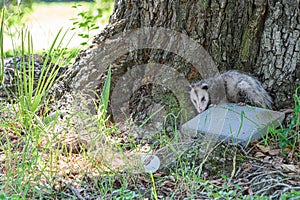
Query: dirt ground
[[46, 20]]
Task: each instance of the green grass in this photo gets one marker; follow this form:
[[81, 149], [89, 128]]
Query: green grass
[[27, 142], [287, 135]]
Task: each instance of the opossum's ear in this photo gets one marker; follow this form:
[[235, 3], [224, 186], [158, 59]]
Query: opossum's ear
[[188, 88], [204, 86], [191, 86]]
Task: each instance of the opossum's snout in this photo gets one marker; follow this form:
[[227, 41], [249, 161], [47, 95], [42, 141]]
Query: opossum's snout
[[202, 103], [202, 108]]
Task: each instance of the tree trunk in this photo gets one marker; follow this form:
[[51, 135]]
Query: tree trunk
[[256, 36]]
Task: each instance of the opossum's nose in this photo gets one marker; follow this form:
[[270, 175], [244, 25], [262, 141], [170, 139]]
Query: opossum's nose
[[200, 110]]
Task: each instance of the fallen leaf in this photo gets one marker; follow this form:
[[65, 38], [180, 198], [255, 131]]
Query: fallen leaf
[[274, 152], [290, 168], [288, 149], [171, 178], [267, 159], [250, 191], [294, 182], [259, 154], [263, 148]]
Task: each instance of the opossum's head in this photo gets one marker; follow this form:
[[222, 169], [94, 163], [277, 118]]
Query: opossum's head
[[200, 96]]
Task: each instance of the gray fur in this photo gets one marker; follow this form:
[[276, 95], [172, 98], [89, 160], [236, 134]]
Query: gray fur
[[231, 86]]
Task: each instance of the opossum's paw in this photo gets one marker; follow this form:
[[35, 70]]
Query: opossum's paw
[[241, 104], [212, 105]]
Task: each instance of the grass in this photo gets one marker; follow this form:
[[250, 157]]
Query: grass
[[27, 142], [46, 153], [287, 136]]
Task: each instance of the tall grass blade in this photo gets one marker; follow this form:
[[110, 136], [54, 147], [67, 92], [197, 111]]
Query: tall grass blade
[[47, 77], [42, 86], [1, 47], [104, 98], [20, 74], [32, 92]]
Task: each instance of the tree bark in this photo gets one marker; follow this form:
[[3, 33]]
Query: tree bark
[[256, 36]]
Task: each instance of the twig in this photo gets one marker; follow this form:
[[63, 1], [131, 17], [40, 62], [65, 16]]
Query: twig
[[233, 166], [78, 195]]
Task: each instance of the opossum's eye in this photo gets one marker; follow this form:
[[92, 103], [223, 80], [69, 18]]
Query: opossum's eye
[[203, 99], [195, 102]]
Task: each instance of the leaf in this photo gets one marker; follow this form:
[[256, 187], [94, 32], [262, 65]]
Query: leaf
[[294, 182], [105, 92], [297, 109], [259, 154], [275, 152], [290, 168], [263, 148], [82, 14], [288, 149], [95, 28]]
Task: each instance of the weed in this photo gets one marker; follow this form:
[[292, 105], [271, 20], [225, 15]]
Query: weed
[[26, 144], [288, 135], [86, 21], [153, 189], [124, 194], [293, 194], [104, 98], [13, 14]]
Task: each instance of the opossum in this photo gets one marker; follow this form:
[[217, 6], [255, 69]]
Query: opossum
[[232, 87]]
